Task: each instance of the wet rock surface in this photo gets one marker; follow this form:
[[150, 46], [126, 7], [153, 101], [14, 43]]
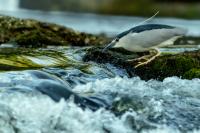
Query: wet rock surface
[[117, 58], [185, 65]]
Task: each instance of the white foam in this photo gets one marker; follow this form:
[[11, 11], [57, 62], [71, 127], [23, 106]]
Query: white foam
[[33, 114], [136, 85], [30, 113]]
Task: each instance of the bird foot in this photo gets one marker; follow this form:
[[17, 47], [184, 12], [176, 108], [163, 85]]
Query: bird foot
[[145, 59], [145, 62]]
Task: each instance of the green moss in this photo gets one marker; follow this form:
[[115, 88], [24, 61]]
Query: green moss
[[170, 65], [192, 73], [175, 65]]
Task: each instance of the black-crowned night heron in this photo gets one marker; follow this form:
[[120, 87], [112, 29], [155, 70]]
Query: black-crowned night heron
[[148, 37]]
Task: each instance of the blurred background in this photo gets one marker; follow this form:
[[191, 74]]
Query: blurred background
[[107, 17], [169, 8]]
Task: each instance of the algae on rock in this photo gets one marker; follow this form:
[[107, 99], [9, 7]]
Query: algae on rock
[[192, 73], [28, 58]]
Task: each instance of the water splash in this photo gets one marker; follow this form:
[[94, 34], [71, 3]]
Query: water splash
[[174, 102]]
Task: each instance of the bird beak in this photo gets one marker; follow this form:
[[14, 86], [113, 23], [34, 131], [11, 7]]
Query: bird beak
[[110, 45]]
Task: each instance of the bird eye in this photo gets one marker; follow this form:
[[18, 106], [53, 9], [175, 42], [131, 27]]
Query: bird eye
[[117, 39]]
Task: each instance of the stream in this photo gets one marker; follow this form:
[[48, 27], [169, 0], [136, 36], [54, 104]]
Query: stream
[[51, 90]]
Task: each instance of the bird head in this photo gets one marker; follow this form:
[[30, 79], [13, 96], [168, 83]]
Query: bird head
[[110, 45]]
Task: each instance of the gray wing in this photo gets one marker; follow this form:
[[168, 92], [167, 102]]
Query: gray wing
[[145, 27]]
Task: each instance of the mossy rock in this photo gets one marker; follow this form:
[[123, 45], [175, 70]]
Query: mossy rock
[[37, 39], [160, 68], [32, 33], [170, 65]]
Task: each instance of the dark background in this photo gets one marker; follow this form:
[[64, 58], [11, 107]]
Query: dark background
[[169, 8]]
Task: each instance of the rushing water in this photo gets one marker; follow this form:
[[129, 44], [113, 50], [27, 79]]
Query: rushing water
[[89, 97], [171, 105]]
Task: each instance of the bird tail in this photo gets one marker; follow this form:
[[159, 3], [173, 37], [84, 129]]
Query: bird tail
[[180, 31]]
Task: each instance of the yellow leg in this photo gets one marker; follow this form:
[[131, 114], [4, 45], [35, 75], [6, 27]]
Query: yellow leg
[[147, 58]]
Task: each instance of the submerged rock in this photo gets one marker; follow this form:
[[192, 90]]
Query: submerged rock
[[32, 33], [57, 92], [185, 65], [36, 82]]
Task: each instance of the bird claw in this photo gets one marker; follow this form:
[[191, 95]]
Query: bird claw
[[142, 63], [146, 58], [138, 59]]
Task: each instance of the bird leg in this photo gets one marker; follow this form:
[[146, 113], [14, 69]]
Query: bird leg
[[144, 57], [147, 58], [157, 51]]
